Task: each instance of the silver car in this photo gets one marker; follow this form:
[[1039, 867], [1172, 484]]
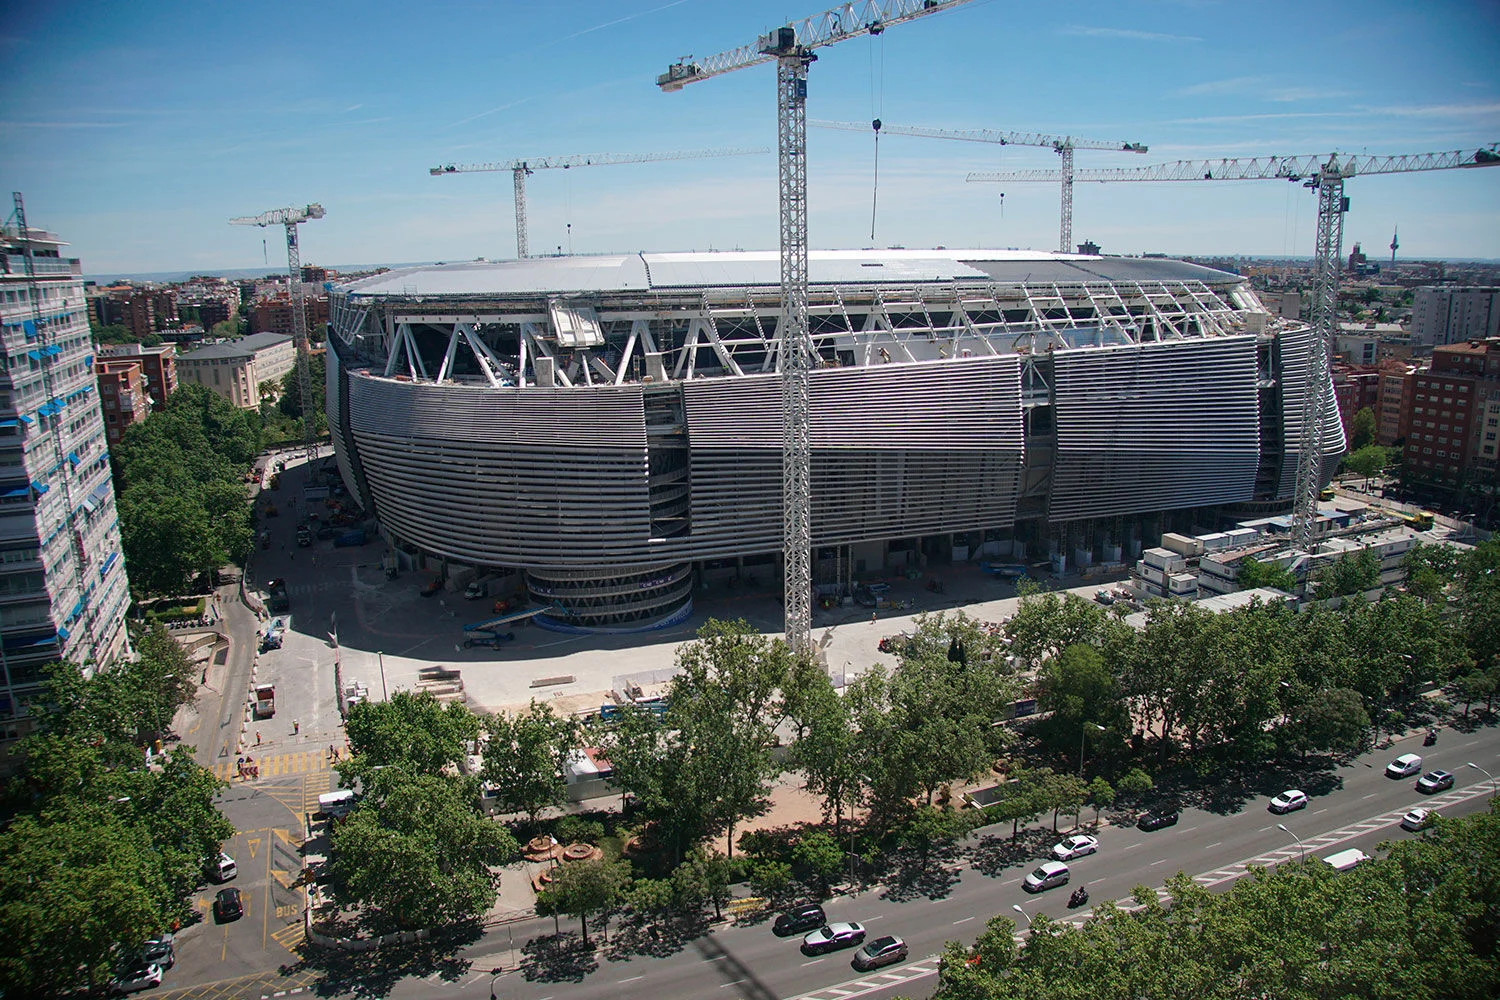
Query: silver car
[[833, 937], [1049, 875]]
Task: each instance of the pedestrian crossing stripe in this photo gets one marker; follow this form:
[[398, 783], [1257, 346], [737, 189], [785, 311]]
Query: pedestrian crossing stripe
[[276, 765], [290, 936]]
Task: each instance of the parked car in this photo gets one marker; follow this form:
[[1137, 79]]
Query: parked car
[[1049, 875], [1418, 819], [227, 904], [133, 980], [304, 536], [799, 920], [325, 532], [1289, 801], [832, 937], [1075, 847], [222, 868], [1157, 818], [886, 950], [160, 951], [1434, 781], [1404, 766]]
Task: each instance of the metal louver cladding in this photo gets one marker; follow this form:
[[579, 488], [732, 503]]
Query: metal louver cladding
[[1291, 350], [508, 476], [898, 450], [335, 405], [1154, 427]]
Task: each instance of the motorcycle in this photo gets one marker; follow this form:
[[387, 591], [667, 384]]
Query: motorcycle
[[1080, 897], [1430, 738]]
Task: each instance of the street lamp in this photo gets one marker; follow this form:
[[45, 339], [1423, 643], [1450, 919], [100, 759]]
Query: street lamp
[[1081, 739], [494, 975], [384, 694], [1017, 908], [1301, 851], [1493, 783]]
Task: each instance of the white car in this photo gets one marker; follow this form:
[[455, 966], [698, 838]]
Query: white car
[[134, 980], [1075, 847], [1049, 875], [1404, 766], [1417, 819], [1289, 801]]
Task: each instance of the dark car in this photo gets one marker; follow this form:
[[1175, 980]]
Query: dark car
[[882, 951], [160, 951], [227, 904], [799, 920], [1157, 818]]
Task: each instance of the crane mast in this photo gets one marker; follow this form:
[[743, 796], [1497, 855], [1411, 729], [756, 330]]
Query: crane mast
[[1062, 145], [520, 168], [791, 46], [1325, 173], [291, 218]]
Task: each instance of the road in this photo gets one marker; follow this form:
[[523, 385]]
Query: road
[[948, 898]]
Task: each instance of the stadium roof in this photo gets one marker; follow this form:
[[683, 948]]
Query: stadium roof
[[646, 272], [244, 347]]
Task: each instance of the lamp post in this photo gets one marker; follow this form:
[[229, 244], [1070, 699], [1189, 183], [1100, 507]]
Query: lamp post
[[1301, 851], [1495, 785], [1017, 908], [494, 975], [384, 694], [1083, 737]]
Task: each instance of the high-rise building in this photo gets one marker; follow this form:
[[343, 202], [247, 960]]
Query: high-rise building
[[1451, 315], [1455, 424], [63, 592]]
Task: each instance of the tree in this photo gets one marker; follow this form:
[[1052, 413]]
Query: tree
[[1430, 569], [1350, 573], [1472, 687], [1334, 719], [827, 752], [1080, 693], [1253, 573], [1063, 793], [583, 888], [1362, 430], [1478, 598], [1102, 795], [1367, 460], [415, 852], [414, 731], [1134, 783], [818, 856], [704, 878], [524, 757]]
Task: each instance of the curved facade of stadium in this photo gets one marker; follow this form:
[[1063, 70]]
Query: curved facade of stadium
[[611, 425]]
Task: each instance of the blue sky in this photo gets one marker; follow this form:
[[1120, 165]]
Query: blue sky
[[136, 130]]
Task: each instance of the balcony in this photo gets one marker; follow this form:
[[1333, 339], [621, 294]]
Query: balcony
[[16, 264]]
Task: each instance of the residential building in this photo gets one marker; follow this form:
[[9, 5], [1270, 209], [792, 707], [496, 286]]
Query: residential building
[[1452, 437], [212, 312], [273, 314], [243, 370], [63, 591], [1355, 387], [1397, 384], [123, 395], [1450, 315], [158, 368]]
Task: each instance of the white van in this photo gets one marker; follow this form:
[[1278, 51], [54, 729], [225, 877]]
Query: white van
[[223, 868], [1345, 860], [336, 804]]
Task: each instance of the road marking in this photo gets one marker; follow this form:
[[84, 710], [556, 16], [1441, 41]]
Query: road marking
[[1011, 882], [1319, 812], [1265, 828], [632, 979], [1161, 862], [1370, 796], [804, 964], [1189, 829], [735, 983], [1218, 843], [963, 921], [1129, 846], [878, 916]]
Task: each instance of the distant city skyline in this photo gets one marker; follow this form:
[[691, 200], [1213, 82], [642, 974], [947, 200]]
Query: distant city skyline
[[136, 132]]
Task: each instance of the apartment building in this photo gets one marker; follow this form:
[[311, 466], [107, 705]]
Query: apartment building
[[1455, 413], [123, 395], [273, 313], [1451, 315], [241, 370], [1398, 381], [63, 592], [158, 368]]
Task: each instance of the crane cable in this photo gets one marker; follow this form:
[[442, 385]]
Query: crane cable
[[875, 187], [877, 106]]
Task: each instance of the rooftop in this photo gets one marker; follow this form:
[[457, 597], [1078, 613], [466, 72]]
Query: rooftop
[[644, 272], [243, 348]]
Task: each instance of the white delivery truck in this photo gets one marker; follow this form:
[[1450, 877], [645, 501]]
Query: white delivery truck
[[1345, 860]]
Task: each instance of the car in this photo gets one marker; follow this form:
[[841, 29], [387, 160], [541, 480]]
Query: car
[[1434, 781], [1418, 819], [325, 532], [227, 904], [1156, 819], [1289, 801], [831, 937], [222, 868], [885, 950], [133, 980], [160, 951], [1404, 766], [1105, 597], [1049, 875], [1075, 847], [799, 919]]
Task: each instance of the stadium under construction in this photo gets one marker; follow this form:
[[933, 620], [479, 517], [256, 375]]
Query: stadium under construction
[[610, 426]]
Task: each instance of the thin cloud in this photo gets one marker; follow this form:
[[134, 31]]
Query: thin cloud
[[352, 108], [611, 24], [361, 121], [47, 124], [1436, 109], [1129, 34], [1234, 85], [1289, 94], [492, 111]]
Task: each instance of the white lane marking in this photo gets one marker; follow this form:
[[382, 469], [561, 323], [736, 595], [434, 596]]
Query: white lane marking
[[716, 958], [1265, 828], [963, 921], [1370, 796], [735, 983], [1129, 846], [1319, 812], [1189, 829], [1161, 862], [1011, 882], [805, 964], [1217, 843], [632, 979]]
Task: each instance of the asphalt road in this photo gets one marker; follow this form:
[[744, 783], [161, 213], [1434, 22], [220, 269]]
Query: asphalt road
[[951, 897]]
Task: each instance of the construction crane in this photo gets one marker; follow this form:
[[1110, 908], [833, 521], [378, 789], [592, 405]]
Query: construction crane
[[1062, 145], [1326, 174], [291, 218], [520, 168], [791, 46]]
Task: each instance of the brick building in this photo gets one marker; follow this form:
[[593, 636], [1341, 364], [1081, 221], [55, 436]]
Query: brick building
[[273, 314], [1398, 382], [1355, 387], [158, 368], [1455, 414], [122, 394]]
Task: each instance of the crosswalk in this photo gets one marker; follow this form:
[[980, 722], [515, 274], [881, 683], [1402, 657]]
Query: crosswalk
[[875, 981], [277, 764]]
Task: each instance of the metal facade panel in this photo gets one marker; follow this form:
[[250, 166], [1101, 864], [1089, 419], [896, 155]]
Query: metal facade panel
[[1291, 376], [1155, 427], [957, 404]]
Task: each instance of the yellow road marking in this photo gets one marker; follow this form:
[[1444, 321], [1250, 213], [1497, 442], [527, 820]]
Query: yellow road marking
[[253, 843]]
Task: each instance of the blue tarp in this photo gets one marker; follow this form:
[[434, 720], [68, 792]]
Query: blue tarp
[[39, 487], [34, 355], [104, 566], [63, 634]]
